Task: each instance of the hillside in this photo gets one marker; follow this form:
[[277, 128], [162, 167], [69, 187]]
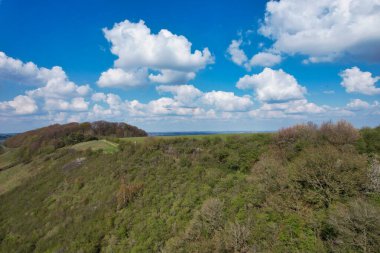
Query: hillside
[[303, 189], [50, 138]]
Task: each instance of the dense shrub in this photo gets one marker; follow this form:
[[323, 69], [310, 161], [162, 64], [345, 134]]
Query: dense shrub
[[340, 133], [374, 174], [326, 173], [304, 132], [354, 227], [370, 140]]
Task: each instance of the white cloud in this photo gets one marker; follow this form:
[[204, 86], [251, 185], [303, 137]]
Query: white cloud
[[263, 59], [171, 76], [188, 95], [273, 85], [20, 105], [140, 50], [59, 88], [184, 94], [53, 83], [76, 104], [238, 56], [363, 107], [325, 29], [55, 92], [99, 96], [227, 101], [29, 74], [117, 77], [294, 107], [355, 80], [357, 104]]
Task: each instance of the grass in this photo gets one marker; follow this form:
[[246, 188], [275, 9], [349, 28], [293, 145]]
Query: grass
[[8, 158], [11, 178], [12, 172], [105, 145]]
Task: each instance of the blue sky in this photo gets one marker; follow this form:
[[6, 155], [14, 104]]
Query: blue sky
[[194, 65]]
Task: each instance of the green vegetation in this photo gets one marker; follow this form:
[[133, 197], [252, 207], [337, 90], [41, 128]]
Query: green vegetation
[[48, 139], [96, 145], [303, 189]]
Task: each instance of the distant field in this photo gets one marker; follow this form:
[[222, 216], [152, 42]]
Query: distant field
[[106, 146], [201, 136]]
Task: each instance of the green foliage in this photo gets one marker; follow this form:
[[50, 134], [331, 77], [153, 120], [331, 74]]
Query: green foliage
[[303, 189], [370, 141], [326, 173], [354, 227], [48, 139]]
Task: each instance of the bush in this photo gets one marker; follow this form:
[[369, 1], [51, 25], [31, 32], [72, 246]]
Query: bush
[[236, 237], [206, 221], [355, 227], [374, 174], [326, 173], [340, 133], [370, 140], [307, 132]]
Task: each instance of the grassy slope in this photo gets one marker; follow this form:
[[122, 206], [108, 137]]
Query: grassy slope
[[106, 146], [184, 179], [76, 208]]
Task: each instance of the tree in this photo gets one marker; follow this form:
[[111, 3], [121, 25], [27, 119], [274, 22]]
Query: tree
[[356, 227]]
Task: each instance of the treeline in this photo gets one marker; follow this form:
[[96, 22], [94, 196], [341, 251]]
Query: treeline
[[56, 136]]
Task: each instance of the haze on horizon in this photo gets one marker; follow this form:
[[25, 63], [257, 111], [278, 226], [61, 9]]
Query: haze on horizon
[[189, 66]]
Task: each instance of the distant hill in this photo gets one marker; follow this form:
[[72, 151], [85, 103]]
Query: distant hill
[[57, 136]]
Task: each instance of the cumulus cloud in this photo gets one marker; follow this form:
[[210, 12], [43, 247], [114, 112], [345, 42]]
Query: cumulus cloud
[[227, 101], [20, 105], [357, 81], [238, 56], [185, 94], [188, 95], [324, 30], [263, 59], [163, 57], [272, 85], [171, 76], [357, 104], [294, 107], [76, 104], [364, 107], [99, 96], [53, 83], [117, 77], [29, 74], [56, 93]]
